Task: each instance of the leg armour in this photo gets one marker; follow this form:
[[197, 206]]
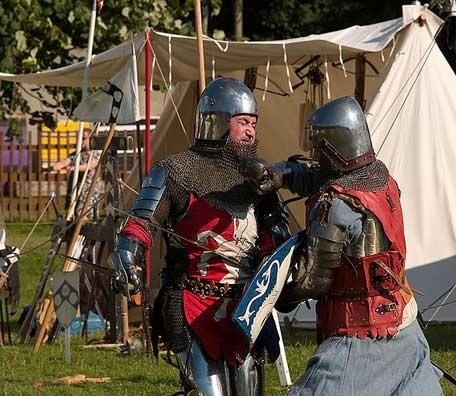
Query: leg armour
[[245, 378], [214, 377], [209, 377]]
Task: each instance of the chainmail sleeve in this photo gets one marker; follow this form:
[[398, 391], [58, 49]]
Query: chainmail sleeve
[[174, 203]]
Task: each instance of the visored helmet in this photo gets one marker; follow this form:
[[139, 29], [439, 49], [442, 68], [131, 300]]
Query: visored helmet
[[339, 132], [222, 99]]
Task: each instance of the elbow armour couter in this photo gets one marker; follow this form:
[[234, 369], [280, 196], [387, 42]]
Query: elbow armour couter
[[321, 257]]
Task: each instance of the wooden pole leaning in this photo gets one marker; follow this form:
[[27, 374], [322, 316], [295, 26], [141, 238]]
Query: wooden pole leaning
[[48, 313], [56, 241], [68, 265], [199, 40], [124, 315]]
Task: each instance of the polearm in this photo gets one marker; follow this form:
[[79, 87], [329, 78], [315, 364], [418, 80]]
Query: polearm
[[56, 239], [147, 147], [200, 45], [67, 266], [85, 84], [145, 293], [91, 266]]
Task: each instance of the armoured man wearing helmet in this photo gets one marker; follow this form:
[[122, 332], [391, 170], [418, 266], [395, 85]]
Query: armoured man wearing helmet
[[353, 263], [221, 230]]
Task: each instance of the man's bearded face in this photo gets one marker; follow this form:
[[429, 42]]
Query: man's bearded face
[[243, 128]]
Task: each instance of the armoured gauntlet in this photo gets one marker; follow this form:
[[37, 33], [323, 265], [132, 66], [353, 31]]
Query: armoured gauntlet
[[127, 260], [298, 177]]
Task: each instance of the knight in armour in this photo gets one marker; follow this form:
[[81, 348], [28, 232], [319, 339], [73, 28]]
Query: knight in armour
[[352, 262], [220, 230]]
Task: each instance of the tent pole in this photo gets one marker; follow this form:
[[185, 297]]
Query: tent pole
[[360, 79], [199, 37], [250, 77], [145, 293], [147, 153], [138, 150], [85, 84], [148, 56]]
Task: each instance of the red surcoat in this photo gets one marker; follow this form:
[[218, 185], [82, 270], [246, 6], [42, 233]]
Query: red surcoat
[[367, 297], [210, 317], [236, 237]]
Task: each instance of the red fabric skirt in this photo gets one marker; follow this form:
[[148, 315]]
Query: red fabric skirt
[[210, 321]]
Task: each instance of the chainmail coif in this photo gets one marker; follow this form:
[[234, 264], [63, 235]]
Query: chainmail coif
[[215, 176], [372, 177]]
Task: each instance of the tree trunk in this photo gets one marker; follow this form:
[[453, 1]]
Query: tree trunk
[[238, 20]]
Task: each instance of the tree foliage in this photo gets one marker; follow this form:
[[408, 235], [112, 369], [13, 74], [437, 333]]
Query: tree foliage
[[282, 19], [37, 35]]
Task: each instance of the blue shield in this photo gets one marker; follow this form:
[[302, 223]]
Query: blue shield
[[264, 289]]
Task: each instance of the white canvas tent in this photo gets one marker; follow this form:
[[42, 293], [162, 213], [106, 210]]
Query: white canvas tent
[[408, 88]]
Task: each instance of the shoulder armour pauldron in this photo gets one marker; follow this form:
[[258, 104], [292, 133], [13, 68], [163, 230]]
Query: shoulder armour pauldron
[[152, 190]]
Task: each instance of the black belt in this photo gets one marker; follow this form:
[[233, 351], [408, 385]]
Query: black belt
[[207, 288]]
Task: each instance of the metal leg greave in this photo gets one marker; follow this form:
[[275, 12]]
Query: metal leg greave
[[214, 377]]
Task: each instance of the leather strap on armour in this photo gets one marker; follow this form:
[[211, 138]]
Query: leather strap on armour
[[398, 280]]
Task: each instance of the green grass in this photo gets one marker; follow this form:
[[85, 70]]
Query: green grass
[[138, 375]]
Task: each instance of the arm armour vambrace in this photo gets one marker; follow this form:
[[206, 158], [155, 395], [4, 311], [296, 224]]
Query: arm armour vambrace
[[151, 193], [145, 207], [321, 256], [130, 251]]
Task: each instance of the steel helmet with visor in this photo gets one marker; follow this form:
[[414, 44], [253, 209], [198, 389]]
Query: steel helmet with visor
[[222, 99], [338, 131]]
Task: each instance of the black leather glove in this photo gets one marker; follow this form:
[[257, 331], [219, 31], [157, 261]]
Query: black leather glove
[[262, 174], [294, 174]]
